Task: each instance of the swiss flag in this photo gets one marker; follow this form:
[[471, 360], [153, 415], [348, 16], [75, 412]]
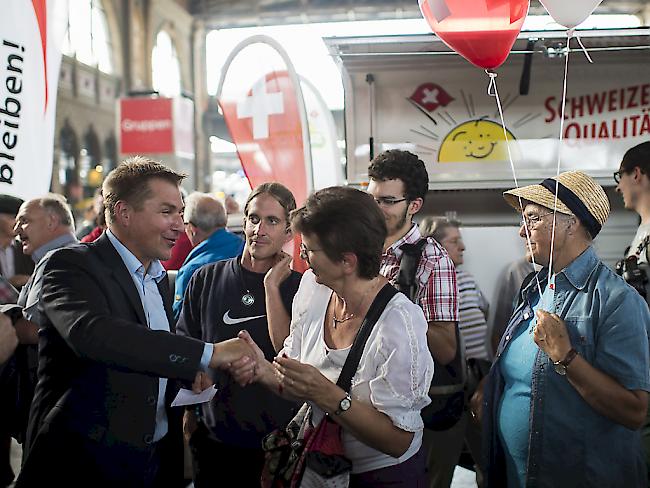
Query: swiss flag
[[266, 127], [430, 96]]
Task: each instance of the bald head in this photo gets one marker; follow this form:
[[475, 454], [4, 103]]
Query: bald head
[[203, 216], [42, 220]]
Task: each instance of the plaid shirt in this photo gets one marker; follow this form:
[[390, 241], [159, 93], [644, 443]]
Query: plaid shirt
[[436, 274]]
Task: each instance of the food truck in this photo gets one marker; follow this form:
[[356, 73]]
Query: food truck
[[412, 92]]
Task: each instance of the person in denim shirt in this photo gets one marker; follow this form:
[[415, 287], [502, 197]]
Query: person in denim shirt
[[568, 389]]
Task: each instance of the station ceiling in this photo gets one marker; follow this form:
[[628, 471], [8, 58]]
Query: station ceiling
[[245, 13]]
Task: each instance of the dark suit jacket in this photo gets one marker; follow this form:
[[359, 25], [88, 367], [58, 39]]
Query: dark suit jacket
[[99, 363], [22, 264]]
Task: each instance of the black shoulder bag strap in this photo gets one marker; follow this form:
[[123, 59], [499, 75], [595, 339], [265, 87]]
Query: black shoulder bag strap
[[643, 248], [408, 266], [356, 351]]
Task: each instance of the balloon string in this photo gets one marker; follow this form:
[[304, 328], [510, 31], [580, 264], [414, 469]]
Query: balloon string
[[559, 153], [494, 92], [571, 33], [492, 86]]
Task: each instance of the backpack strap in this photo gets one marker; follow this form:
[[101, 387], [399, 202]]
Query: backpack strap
[[452, 379], [408, 266]]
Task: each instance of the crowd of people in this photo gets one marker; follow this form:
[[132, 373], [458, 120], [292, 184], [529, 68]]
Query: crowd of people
[[385, 336]]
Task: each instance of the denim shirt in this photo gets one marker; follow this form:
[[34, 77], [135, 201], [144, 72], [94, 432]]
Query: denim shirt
[[570, 444]]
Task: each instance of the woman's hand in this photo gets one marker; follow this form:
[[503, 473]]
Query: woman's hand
[[305, 382], [279, 272]]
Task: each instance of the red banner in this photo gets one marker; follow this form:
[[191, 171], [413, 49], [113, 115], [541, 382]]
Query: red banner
[[146, 126], [265, 126]]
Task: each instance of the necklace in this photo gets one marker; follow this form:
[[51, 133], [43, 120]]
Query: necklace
[[247, 299], [336, 321]]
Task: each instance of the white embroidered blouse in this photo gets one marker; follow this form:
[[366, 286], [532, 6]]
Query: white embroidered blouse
[[394, 373]]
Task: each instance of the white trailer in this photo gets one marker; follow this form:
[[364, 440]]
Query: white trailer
[[391, 82]]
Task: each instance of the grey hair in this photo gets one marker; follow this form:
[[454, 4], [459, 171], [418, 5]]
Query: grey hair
[[56, 204], [204, 211], [436, 227], [566, 218]]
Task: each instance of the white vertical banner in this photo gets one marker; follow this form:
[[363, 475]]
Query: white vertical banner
[[325, 153], [31, 36]]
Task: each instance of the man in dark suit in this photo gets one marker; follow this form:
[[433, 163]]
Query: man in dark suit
[[15, 266], [108, 364]]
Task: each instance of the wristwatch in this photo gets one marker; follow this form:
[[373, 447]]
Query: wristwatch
[[561, 366], [344, 405]]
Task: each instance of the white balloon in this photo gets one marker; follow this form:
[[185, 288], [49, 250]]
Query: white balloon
[[570, 13]]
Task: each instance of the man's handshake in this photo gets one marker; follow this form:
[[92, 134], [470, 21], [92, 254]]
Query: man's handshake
[[239, 356], [227, 352]]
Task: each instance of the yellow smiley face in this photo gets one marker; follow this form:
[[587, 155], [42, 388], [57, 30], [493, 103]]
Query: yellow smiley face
[[475, 141]]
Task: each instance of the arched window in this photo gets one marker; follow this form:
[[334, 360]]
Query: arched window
[[87, 39], [68, 154], [165, 68], [110, 153]]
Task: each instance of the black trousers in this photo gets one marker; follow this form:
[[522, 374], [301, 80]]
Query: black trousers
[[222, 465], [73, 460], [409, 474], [6, 473]]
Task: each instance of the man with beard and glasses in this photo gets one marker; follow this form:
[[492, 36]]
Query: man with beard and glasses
[[225, 435], [399, 183]]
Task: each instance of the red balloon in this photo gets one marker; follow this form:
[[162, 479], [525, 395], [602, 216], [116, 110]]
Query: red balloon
[[482, 31]]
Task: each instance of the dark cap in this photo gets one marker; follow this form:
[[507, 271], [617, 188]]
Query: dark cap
[[9, 205]]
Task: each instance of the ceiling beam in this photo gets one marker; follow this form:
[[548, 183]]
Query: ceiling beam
[[248, 13]]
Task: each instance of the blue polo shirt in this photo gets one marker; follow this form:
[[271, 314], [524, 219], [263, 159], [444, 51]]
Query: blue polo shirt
[[221, 245]]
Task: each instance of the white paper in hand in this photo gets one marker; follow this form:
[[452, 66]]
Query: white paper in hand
[[188, 397]]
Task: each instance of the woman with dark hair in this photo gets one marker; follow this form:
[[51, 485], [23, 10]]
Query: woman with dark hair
[[343, 232]]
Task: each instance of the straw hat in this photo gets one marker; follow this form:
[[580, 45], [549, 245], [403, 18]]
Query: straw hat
[[590, 193]]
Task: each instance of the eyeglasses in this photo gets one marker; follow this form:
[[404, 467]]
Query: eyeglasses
[[388, 201], [304, 251], [617, 175], [532, 221]]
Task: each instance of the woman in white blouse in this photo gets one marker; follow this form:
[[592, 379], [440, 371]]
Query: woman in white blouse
[[343, 232]]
